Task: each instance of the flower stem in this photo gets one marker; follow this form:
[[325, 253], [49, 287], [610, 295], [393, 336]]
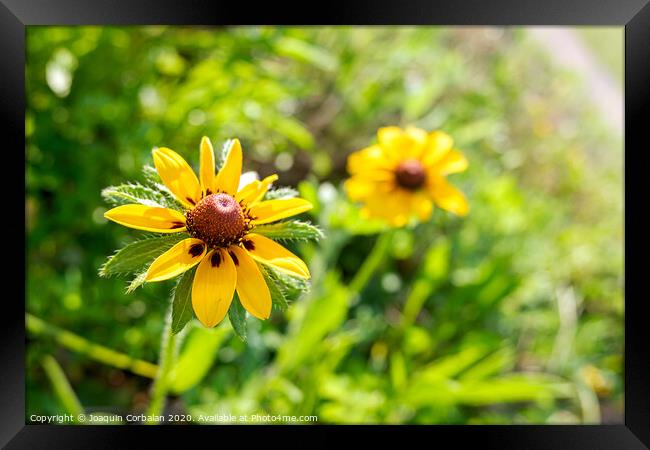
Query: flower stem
[[372, 262], [165, 363], [39, 327]]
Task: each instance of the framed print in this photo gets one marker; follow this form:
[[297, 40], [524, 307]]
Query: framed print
[[402, 219]]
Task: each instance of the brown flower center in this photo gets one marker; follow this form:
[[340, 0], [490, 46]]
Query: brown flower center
[[218, 220], [410, 174]]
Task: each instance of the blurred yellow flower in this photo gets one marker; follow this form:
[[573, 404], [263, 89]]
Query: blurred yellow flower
[[220, 219], [403, 175]]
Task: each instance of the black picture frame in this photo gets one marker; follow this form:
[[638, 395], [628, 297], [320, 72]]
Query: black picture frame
[[634, 15]]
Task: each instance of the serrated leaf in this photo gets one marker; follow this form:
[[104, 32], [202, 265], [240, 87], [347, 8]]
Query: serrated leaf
[[132, 257], [290, 230], [151, 175], [136, 282], [281, 192], [182, 303], [291, 287], [137, 193], [277, 296], [237, 316], [130, 193]]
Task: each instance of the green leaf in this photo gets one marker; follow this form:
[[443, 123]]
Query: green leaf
[[277, 296], [291, 230], [498, 362], [237, 316], [290, 286], [131, 193], [322, 313], [197, 356], [132, 257], [281, 192], [451, 365], [136, 282], [151, 175], [182, 304], [512, 388]]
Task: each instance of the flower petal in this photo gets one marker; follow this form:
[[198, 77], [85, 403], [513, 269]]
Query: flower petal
[[248, 191], [270, 252], [206, 171], [422, 205], [417, 142], [370, 158], [359, 187], [253, 292], [447, 196], [150, 218], [177, 175], [213, 287], [181, 257], [439, 143], [452, 162], [255, 190], [272, 210], [391, 137], [402, 144], [228, 177], [394, 207]]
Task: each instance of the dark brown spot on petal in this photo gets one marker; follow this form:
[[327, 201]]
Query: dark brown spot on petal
[[215, 260], [196, 250], [234, 258], [248, 244], [177, 224], [208, 191], [190, 200]]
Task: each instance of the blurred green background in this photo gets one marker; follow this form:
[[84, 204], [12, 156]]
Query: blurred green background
[[513, 314]]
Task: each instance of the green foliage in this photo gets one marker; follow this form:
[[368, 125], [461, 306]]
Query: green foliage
[[62, 388], [152, 177], [134, 256], [487, 319], [182, 303], [197, 356], [321, 315], [237, 317], [277, 296], [136, 193], [137, 281], [291, 287], [281, 192], [290, 230]]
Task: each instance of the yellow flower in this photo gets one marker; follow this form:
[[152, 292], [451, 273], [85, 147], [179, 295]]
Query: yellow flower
[[221, 220], [404, 175]]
